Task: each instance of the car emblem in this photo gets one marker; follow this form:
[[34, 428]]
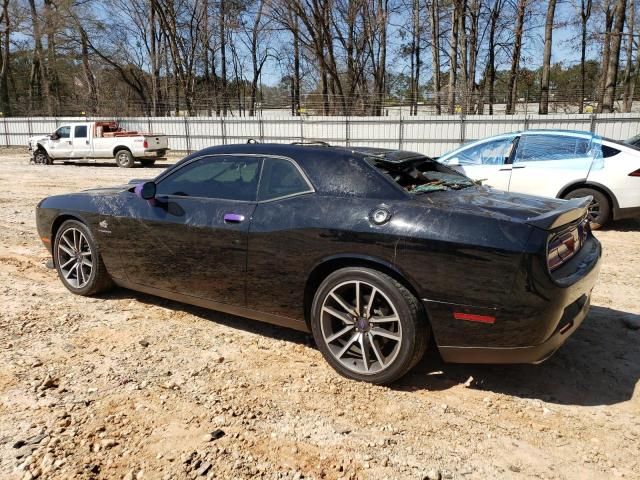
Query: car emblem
[[104, 224]]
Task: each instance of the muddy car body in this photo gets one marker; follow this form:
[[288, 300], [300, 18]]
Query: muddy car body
[[374, 251]]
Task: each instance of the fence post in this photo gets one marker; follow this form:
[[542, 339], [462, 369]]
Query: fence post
[[592, 123], [526, 122], [186, 132], [29, 126], [6, 132], [223, 130], [347, 133], [261, 127], [400, 132], [301, 128], [462, 128]]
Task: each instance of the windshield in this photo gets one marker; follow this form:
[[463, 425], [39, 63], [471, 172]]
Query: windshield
[[422, 175]]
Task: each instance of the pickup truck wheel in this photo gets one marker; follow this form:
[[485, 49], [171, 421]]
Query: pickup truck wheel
[[40, 157], [124, 159], [146, 162]]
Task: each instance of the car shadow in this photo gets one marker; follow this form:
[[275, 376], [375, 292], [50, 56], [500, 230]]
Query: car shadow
[[228, 320], [112, 164], [626, 225], [598, 365]]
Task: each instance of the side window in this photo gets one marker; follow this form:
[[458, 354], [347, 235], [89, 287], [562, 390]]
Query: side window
[[223, 177], [540, 148], [80, 131], [63, 132], [608, 152], [495, 152], [280, 178]]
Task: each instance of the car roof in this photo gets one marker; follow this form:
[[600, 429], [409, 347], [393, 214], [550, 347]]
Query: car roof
[[540, 131]]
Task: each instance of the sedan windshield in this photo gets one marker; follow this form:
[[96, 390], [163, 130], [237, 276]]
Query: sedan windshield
[[422, 175]]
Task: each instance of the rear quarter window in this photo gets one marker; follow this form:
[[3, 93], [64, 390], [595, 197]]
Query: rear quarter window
[[345, 175]]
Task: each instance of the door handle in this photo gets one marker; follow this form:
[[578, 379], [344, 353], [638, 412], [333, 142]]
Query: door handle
[[505, 169], [233, 218], [520, 166]]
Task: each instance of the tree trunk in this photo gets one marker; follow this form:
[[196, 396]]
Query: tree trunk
[[585, 13], [5, 104], [491, 64], [435, 52], [453, 61], [614, 57], [88, 74], [461, 5], [606, 51], [296, 68], [223, 57], [629, 76], [512, 94], [53, 98], [546, 59]]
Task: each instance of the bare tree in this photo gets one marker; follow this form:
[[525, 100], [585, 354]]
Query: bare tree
[[546, 59], [585, 14], [515, 57], [628, 80], [614, 57], [435, 51]]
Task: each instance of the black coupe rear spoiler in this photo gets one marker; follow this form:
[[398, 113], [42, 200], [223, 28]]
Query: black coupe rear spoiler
[[573, 210]]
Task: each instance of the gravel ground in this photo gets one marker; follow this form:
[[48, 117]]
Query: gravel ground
[[126, 385]]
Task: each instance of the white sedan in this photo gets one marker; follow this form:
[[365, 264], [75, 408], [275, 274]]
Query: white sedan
[[557, 163]]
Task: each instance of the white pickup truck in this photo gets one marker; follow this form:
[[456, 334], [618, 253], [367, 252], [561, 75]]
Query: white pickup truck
[[77, 141]]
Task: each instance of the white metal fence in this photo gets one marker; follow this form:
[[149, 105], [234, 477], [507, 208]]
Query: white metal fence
[[431, 135]]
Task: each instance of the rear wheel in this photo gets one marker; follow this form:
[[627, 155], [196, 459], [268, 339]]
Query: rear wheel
[[148, 162], [599, 208], [78, 261], [124, 158], [368, 326]]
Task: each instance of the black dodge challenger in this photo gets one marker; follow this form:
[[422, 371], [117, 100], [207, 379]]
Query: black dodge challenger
[[372, 250]]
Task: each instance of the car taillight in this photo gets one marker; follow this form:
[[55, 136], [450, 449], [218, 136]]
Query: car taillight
[[635, 173], [145, 144], [564, 245]]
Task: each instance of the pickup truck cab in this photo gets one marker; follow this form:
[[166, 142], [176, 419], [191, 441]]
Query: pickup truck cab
[[97, 140]]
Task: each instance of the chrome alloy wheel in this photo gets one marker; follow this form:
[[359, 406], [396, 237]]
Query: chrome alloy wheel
[[593, 210], [361, 327], [75, 258]]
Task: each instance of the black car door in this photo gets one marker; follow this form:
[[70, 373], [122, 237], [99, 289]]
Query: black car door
[[192, 237]]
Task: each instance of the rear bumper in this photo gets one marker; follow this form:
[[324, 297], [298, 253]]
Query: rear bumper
[[155, 153], [529, 327], [533, 354]]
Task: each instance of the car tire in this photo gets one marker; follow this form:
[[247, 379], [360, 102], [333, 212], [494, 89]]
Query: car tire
[[78, 260], [599, 209], [124, 159], [393, 333], [41, 157], [148, 162]]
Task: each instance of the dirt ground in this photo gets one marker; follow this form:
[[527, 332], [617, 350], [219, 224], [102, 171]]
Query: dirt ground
[[126, 385]]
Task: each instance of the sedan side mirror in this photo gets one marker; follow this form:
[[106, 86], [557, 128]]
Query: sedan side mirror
[[146, 190]]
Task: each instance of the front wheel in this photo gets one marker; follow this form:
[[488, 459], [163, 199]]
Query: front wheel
[[124, 158], [40, 157], [368, 326], [599, 208], [78, 261]]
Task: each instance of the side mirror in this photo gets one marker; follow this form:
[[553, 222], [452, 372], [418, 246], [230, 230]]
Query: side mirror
[[54, 136], [146, 190]]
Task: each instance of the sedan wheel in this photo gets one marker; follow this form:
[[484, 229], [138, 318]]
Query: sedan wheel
[[78, 260], [599, 211], [368, 326]]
